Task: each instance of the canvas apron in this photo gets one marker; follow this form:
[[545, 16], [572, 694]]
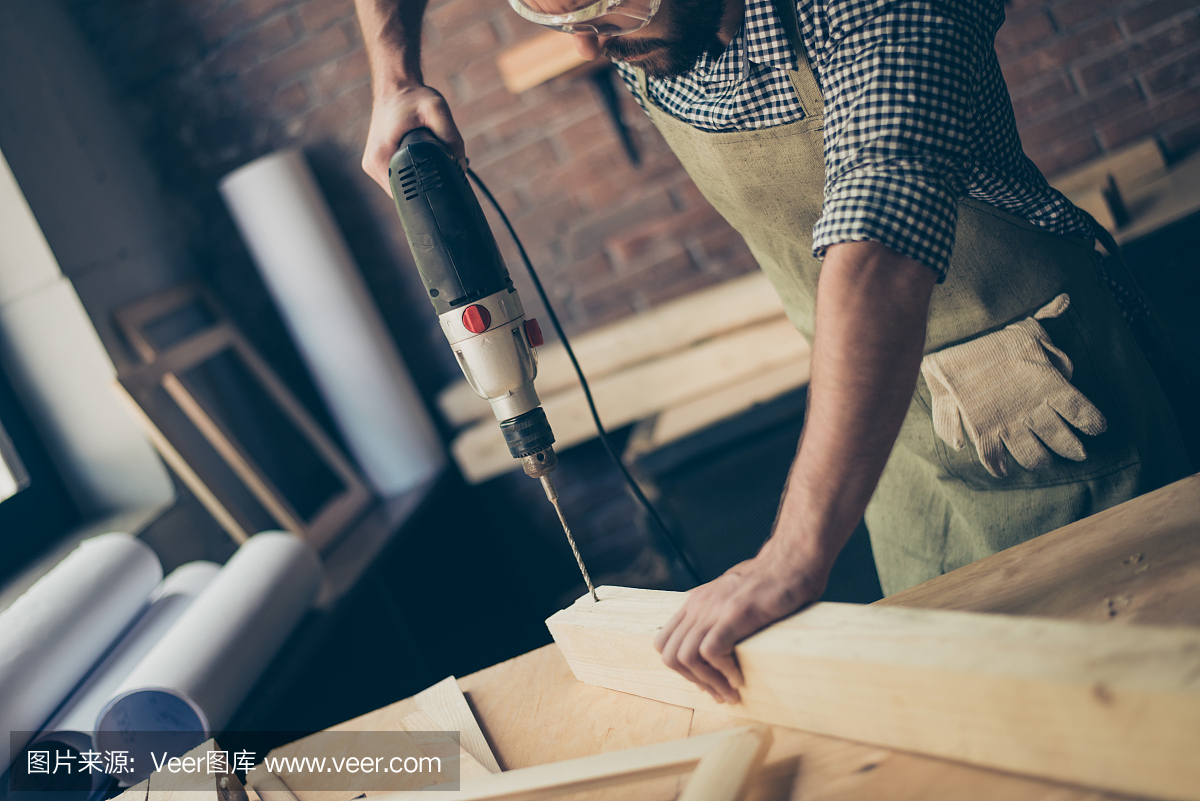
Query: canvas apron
[[936, 509]]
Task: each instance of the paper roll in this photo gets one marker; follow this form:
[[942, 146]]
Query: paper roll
[[189, 685], [75, 721], [312, 276], [53, 634]]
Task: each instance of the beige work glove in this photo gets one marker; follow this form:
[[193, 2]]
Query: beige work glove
[[1010, 389]]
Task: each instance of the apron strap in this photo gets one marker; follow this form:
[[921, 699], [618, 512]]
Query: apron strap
[[804, 80]]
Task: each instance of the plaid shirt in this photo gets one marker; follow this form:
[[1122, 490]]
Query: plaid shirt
[[917, 116]]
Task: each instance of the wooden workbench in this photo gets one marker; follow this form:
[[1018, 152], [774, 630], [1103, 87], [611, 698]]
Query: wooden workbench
[[1136, 563]]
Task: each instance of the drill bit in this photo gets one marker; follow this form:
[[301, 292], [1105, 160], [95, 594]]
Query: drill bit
[[552, 494]]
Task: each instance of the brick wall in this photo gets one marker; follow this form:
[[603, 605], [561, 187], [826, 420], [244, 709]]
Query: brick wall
[[1088, 76]]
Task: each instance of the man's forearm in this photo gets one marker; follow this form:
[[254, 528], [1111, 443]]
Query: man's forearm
[[400, 99], [392, 37], [872, 306]]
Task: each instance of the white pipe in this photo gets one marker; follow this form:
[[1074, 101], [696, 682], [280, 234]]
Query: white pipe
[[316, 285]]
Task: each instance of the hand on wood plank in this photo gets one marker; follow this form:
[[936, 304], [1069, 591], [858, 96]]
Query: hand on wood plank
[[1113, 707], [698, 639]]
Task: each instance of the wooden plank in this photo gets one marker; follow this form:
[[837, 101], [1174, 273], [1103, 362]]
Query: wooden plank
[[137, 792], [639, 392], [1129, 167], [667, 328], [196, 785], [1108, 707], [725, 771], [537, 60], [445, 703], [586, 773], [420, 721], [1138, 562], [268, 786], [1161, 202], [687, 418], [534, 711]]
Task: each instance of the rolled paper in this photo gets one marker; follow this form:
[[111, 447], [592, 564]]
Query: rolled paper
[[309, 271]]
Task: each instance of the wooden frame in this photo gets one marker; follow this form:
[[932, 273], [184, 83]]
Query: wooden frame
[[1114, 707], [134, 319], [166, 370]]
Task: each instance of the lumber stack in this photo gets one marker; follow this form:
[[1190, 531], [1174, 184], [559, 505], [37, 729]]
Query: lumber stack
[[1113, 707], [693, 362]]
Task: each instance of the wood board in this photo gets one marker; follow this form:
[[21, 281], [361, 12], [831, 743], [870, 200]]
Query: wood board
[[1130, 167], [537, 60], [445, 703], [665, 329], [641, 391], [1109, 707], [554, 779], [1136, 563], [163, 785], [687, 418], [418, 722]]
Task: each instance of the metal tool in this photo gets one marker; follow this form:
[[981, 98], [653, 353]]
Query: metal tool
[[476, 303]]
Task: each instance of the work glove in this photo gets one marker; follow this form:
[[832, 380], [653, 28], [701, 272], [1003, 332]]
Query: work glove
[[1010, 389]]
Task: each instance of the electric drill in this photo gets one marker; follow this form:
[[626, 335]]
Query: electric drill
[[476, 303]]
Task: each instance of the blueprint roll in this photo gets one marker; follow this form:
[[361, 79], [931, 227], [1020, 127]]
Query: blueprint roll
[[309, 271], [60, 628], [192, 681], [72, 727]]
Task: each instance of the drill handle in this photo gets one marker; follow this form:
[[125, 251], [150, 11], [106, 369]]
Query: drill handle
[[451, 242]]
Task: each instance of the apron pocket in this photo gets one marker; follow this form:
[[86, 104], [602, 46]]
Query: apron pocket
[[1113, 450]]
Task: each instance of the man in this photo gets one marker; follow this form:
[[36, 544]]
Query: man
[[972, 377]]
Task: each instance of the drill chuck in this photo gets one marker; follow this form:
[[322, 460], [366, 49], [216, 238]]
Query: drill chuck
[[530, 439]]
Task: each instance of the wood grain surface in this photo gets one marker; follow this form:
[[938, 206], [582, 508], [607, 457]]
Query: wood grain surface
[[533, 710], [1114, 707]]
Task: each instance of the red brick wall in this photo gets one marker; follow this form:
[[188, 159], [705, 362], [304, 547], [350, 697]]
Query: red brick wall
[[1088, 76]]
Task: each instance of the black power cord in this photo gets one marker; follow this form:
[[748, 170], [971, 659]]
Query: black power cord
[[587, 392]]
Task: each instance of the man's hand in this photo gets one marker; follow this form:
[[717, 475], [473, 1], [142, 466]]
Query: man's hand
[[401, 101], [698, 640], [870, 330], [395, 112]]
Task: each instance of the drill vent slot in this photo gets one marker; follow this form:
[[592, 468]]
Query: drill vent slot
[[428, 175], [420, 177], [408, 182]]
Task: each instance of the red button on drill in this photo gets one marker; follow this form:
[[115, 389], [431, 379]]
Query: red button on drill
[[534, 332], [476, 319]]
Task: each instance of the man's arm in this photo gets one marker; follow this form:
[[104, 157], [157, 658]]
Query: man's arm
[[871, 311], [401, 100]]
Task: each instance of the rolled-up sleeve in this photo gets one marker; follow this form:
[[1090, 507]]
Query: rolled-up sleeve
[[900, 110]]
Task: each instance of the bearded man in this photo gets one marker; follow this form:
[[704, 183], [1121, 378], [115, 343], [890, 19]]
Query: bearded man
[[974, 382]]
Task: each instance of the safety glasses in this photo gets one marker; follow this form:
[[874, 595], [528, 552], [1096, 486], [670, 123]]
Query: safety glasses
[[603, 17]]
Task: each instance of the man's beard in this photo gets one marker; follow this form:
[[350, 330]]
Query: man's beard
[[691, 31]]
